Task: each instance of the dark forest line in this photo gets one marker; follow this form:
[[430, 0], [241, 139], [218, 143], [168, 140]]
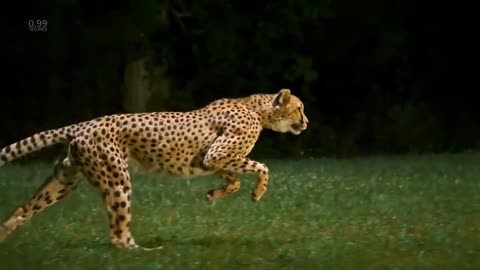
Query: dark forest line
[[375, 77]]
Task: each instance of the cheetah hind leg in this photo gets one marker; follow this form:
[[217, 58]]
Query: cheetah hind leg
[[109, 175], [64, 180], [116, 188], [118, 204]]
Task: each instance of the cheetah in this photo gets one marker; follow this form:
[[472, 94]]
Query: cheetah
[[214, 139]]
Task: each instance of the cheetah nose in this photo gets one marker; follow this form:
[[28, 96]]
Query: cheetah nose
[[304, 119]]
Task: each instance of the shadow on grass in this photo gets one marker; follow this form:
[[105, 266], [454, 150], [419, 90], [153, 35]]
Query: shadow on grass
[[219, 241], [205, 242]]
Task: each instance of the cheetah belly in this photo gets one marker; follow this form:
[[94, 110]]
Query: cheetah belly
[[173, 157]]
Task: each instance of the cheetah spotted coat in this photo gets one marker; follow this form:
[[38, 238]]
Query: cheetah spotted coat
[[215, 139]]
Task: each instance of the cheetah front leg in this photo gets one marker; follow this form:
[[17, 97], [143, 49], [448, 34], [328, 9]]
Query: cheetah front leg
[[221, 160], [64, 179], [233, 185]]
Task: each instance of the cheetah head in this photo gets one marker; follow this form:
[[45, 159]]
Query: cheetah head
[[287, 113]]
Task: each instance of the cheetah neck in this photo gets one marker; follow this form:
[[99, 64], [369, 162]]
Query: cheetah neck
[[261, 104]]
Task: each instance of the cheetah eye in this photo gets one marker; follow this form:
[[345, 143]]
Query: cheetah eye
[[298, 110]]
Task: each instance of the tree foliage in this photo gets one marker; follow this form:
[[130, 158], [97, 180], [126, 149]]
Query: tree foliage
[[374, 75]]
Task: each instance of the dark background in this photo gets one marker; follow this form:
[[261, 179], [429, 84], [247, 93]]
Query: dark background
[[375, 76]]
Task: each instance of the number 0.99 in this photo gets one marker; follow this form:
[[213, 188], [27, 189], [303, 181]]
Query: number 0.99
[[39, 23]]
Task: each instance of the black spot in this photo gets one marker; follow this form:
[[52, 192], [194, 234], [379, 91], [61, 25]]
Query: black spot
[[8, 149], [4, 158], [123, 204], [117, 193], [115, 206]]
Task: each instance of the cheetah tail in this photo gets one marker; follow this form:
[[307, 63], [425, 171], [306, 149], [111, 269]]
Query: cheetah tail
[[33, 143]]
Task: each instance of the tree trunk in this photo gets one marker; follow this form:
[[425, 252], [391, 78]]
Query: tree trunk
[[137, 86]]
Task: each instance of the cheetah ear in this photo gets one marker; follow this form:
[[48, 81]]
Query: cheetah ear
[[281, 98]]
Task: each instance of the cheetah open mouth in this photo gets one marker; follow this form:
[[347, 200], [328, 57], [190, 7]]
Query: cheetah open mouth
[[297, 127]]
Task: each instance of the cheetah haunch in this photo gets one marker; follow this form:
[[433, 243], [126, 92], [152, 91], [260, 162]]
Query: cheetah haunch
[[215, 139]]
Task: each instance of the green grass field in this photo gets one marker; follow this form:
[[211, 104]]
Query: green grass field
[[401, 212]]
